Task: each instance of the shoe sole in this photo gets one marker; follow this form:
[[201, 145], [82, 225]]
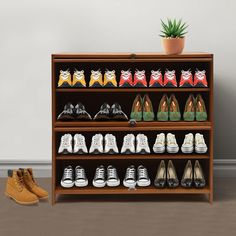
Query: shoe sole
[[80, 152], [200, 85], [172, 150], [128, 152], [144, 184], [200, 150], [187, 150], [65, 152], [170, 85], [66, 185], [143, 152], [78, 85], [19, 202], [128, 185], [84, 184], [113, 184], [99, 185], [43, 198], [96, 151], [186, 85], [139, 85], [64, 85], [159, 150], [102, 117], [156, 85], [111, 152]]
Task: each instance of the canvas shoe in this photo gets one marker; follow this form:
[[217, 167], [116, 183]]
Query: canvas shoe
[[66, 144], [78, 79], [172, 146], [126, 79], [186, 79], [142, 146], [104, 112], [130, 177], [156, 79], [140, 79], [67, 180], [80, 144], [96, 144], [99, 180], [143, 179], [96, 79], [80, 112], [170, 79], [116, 112], [110, 144], [200, 79], [159, 145], [64, 79], [128, 146], [200, 145], [112, 177], [110, 79], [67, 113], [80, 177], [187, 146]]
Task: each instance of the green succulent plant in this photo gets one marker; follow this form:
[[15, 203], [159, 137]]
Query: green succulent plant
[[173, 29]]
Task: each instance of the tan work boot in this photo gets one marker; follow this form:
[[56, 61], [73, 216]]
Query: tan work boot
[[17, 190], [31, 185]]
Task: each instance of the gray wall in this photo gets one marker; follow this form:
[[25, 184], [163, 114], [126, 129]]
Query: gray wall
[[32, 30]]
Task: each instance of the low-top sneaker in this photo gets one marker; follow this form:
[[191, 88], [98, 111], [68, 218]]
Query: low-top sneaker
[[67, 180], [126, 79], [186, 79], [130, 177], [172, 146], [200, 145], [143, 179], [78, 79], [64, 79], [110, 144], [80, 177], [80, 144], [67, 113], [170, 79], [80, 112], [159, 145], [116, 112], [99, 180], [112, 177], [156, 79], [200, 79], [65, 144], [140, 79], [187, 146], [128, 146], [142, 146], [104, 113], [96, 144]]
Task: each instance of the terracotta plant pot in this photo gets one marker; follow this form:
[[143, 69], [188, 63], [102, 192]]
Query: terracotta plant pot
[[173, 45]]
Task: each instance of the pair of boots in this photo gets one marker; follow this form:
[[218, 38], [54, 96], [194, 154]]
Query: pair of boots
[[22, 187]]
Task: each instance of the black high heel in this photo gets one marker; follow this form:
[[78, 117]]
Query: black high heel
[[160, 180], [187, 178], [172, 179], [199, 179]]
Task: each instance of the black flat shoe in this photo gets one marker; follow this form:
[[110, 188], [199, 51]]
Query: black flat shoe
[[172, 179], [199, 179], [80, 113], [67, 113], [117, 113], [104, 113], [160, 180], [187, 178]]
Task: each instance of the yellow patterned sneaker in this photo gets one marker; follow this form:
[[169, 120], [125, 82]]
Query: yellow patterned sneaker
[[96, 79], [64, 79], [110, 79], [78, 79]]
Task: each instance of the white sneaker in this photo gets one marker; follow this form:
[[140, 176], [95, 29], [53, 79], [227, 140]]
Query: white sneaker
[[142, 146], [112, 177], [80, 177], [96, 144], [143, 179], [130, 177], [172, 146], [128, 146], [66, 144], [159, 145], [110, 144], [99, 178], [67, 180], [80, 144], [200, 145], [187, 146]]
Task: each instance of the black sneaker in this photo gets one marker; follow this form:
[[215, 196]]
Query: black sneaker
[[80, 113], [104, 113], [80, 177], [117, 113], [67, 180], [99, 178], [67, 113], [130, 177], [143, 179], [112, 177]]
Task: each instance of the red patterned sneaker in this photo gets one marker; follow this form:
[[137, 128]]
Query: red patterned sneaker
[[186, 79], [140, 79], [156, 79], [126, 79], [170, 79], [200, 78]]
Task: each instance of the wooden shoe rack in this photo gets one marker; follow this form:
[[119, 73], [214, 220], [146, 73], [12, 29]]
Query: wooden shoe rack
[[93, 98]]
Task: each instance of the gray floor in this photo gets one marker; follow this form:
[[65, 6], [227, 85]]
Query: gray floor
[[161, 215]]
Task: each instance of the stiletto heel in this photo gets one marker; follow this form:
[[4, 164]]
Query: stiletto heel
[[187, 178], [199, 179], [160, 180], [172, 179]]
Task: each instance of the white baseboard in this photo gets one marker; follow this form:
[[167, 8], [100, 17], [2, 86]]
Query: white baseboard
[[42, 169]]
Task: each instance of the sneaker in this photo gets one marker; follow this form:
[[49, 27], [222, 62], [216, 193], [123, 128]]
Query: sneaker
[[200, 79], [96, 79], [96, 144], [99, 178], [80, 144], [186, 79], [140, 79], [116, 112], [66, 144], [67, 113], [143, 179], [67, 180], [187, 146], [80, 177], [104, 113], [128, 146], [200, 145], [159, 145], [80, 113], [110, 144], [112, 177], [130, 177], [156, 79], [110, 79], [126, 79], [142, 146], [64, 79], [172, 146], [78, 79], [170, 79]]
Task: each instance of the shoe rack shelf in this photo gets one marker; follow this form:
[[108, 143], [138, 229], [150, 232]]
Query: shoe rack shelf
[[93, 98]]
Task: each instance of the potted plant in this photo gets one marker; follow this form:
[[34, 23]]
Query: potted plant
[[172, 34]]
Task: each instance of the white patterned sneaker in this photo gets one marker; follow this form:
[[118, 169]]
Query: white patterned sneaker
[[96, 144], [172, 146], [200, 145], [110, 144], [66, 144], [128, 146], [187, 146], [142, 146], [159, 145], [80, 144]]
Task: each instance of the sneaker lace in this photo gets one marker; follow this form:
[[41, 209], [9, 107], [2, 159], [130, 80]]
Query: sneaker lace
[[80, 173], [78, 75], [80, 141], [68, 173], [170, 74], [112, 173], [142, 173], [96, 75], [109, 75], [200, 140], [188, 140], [99, 173], [130, 173], [140, 75], [159, 139]]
